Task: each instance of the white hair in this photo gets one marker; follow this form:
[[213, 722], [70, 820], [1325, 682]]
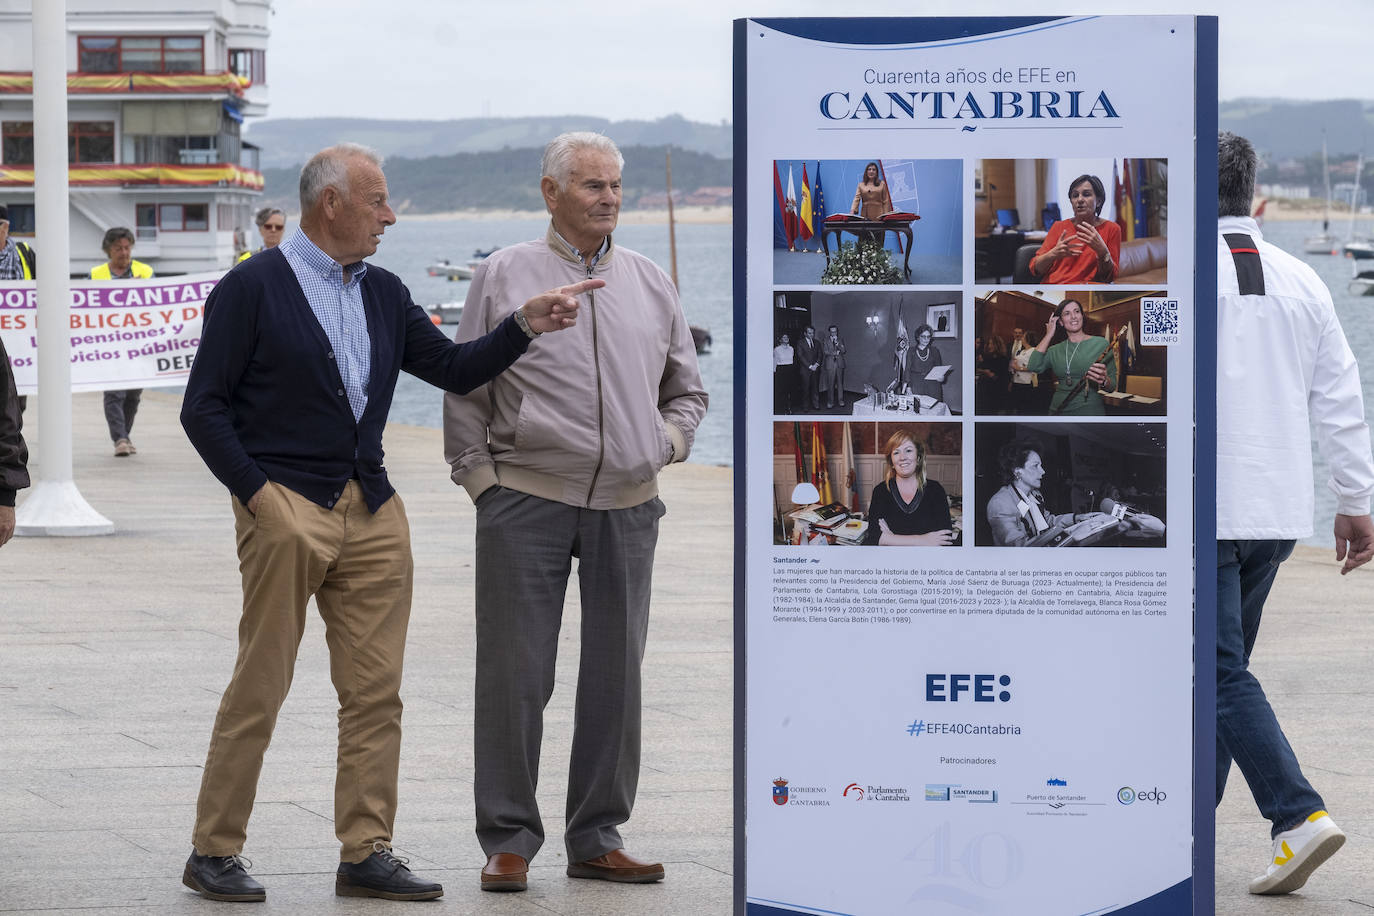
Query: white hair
[[329, 169], [558, 155]]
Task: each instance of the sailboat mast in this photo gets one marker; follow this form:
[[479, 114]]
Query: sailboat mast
[[1326, 179], [672, 228], [1355, 192]]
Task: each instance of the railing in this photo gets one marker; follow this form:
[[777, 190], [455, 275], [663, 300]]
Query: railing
[[219, 174], [21, 83]]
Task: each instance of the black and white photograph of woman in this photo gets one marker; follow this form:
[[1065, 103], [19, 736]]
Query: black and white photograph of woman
[[878, 354], [1069, 485]]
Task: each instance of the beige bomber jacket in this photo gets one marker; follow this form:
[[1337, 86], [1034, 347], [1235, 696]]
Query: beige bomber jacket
[[589, 415]]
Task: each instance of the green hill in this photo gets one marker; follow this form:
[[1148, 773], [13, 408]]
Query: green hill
[[287, 142], [509, 179]]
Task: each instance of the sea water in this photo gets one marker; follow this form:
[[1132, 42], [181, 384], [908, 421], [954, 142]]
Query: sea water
[[703, 261], [1356, 314]]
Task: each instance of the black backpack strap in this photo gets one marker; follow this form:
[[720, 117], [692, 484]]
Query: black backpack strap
[[1249, 268]]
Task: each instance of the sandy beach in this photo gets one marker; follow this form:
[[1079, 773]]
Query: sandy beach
[[1310, 209]]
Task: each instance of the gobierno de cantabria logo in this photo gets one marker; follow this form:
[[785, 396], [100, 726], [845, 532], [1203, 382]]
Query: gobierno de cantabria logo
[[799, 796]]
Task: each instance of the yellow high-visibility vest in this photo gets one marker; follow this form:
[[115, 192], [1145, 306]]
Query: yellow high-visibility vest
[[140, 271]]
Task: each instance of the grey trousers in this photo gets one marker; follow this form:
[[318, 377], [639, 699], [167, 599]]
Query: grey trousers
[[120, 409], [525, 547]]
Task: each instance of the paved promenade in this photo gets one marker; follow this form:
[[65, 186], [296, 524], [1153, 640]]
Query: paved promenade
[[113, 652]]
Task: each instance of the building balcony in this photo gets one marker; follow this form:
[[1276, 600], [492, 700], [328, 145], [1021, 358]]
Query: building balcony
[[20, 83], [131, 174]]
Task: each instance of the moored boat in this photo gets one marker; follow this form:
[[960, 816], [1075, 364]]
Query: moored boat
[[450, 271], [445, 312]]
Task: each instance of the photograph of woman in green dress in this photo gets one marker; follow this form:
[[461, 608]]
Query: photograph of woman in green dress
[[1082, 363]]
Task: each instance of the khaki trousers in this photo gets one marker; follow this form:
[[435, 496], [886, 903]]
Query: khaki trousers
[[358, 567]]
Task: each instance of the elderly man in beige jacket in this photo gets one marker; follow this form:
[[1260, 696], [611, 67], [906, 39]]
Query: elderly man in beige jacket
[[561, 456]]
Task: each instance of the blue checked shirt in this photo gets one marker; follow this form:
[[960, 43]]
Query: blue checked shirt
[[338, 306]]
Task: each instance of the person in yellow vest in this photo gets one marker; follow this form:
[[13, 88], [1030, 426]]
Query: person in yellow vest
[[17, 260], [121, 406], [271, 226]]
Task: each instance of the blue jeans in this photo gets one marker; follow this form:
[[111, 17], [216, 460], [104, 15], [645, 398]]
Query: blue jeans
[[1246, 727]]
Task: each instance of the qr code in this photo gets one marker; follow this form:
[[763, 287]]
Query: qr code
[[1159, 320]]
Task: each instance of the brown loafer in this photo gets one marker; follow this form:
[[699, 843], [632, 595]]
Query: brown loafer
[[505, 871], [619, 866]]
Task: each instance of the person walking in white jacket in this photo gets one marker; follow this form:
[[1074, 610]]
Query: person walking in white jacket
[[1282, 362]]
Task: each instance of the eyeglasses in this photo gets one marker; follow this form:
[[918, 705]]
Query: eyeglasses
[[275, 227]]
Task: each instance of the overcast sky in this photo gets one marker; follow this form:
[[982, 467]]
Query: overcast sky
[[646, 58]]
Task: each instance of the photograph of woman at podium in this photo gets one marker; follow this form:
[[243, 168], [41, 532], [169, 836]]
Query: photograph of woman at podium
[[908, 509], [871, 200], [1076, 486], [1084, 248], [871, 197], [904, 225], [1083, 364]]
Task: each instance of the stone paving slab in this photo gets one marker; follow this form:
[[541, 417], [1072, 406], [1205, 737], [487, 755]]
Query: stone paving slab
[[114, 650]]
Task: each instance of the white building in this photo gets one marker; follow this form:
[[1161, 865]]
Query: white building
[[157, 91]]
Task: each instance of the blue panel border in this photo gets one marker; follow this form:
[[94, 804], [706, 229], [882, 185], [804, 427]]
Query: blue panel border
[[1205, 476], [881, 31], [1197, 894], [1172, 901], [740, 287]]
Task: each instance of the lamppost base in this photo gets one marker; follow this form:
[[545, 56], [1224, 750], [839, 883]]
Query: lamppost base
[[57, 509]]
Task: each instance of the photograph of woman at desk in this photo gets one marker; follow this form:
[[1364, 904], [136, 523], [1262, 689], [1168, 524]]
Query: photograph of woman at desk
[[908, 509], [1017, 513], [1084, 248], [1083, 364], [856, 484], [1070, 486]]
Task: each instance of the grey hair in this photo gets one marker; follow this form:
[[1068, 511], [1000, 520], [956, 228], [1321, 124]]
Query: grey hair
[[1236, 167], [116, 234], [558, 155], [329, 169], [267, 213]]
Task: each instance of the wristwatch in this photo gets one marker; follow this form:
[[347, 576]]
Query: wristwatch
[[524, 324]]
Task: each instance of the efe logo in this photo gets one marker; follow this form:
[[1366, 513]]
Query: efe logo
[[945, 688]]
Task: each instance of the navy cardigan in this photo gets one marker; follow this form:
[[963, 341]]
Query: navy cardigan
[[265, 399]]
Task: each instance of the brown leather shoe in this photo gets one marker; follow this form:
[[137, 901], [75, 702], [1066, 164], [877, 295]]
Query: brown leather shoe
[[619, 866], [505, 871]]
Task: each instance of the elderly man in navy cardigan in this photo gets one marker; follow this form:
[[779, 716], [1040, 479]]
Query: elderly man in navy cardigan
[[286, 403]]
